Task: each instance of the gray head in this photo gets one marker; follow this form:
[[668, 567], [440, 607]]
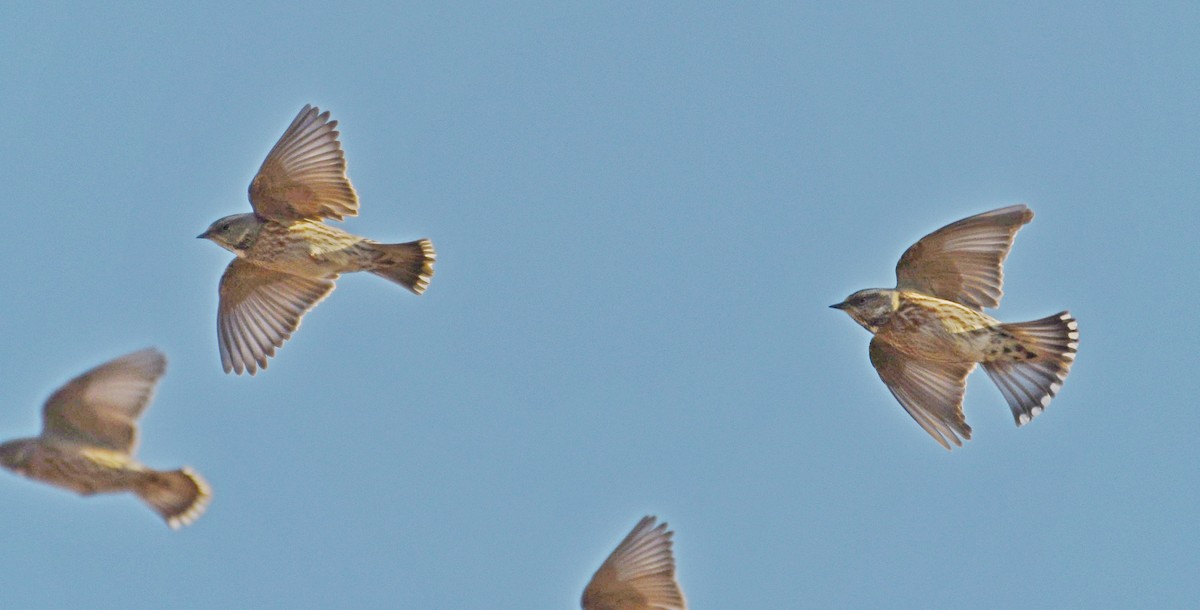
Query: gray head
[[235, 233], [14, 454], [871, 307]]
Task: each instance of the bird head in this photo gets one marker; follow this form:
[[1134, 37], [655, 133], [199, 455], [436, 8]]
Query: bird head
[[14, 454], [235, 233], [871, 307]]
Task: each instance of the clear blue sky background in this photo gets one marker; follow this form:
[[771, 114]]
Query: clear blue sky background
[[641, 213]]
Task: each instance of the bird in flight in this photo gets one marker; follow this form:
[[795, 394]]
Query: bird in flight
[[89, 435], [930, 330], [287, 257], [638, 575]]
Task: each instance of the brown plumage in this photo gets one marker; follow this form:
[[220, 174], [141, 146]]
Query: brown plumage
[[287, 258], [638, 575], [89, 435], [930, 331]]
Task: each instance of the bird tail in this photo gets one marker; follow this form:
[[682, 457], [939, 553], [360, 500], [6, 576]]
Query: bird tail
[[179, 496], [1031, 374], [408, 264]]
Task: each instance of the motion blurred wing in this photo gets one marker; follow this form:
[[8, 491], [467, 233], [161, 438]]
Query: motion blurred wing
[[931, 392], [259, 310], [639, 575], [304, 175], [962, 261], [101, 407]]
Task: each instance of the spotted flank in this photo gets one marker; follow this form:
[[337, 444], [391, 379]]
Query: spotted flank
[[1031, 372]]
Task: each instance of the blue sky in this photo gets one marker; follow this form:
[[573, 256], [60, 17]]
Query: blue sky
[[641, 214]]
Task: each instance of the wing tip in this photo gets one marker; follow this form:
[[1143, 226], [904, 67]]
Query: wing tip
[[150, 359], [642, 566]]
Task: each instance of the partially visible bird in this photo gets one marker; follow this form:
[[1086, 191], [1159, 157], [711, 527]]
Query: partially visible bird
[[930, 331], [638, 575], [89, 435], [287, 258]]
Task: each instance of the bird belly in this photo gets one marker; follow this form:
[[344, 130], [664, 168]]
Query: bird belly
[[936, 330], [308, 249], [84, 470]]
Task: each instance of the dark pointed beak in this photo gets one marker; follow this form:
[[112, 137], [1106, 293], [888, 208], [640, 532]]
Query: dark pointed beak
[[839, 306], [203, 235]]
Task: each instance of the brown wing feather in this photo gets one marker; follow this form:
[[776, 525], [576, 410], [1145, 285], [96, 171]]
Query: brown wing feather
[[101, 407], [638, 575], [962, 261], [259, 310], [931, 392], [304, 175]]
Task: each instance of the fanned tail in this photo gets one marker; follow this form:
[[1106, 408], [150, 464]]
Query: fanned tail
[[1033, 373], [409, 264], [179, 496]]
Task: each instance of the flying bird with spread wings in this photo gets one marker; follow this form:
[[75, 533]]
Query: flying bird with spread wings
[[287, 258], [89, 435], [930, 330]]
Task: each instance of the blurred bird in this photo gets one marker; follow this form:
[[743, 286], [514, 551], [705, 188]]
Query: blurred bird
[[287, 258], [639, 575], [930, 331], [89, 434]]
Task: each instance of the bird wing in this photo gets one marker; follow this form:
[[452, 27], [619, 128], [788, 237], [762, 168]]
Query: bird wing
[[304, 175], [962, 261], [638, 575], [931, 392], [101, 407], [259, 309]]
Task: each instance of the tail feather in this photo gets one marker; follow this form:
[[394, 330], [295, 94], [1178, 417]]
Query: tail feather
[[408, 264], [179, 496], [1031, 376]]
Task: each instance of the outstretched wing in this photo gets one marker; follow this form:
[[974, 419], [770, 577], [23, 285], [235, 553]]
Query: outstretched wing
[[639, 575], [304, 175], [962, 261], [101, 407], [931, 392], [259, 310]]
